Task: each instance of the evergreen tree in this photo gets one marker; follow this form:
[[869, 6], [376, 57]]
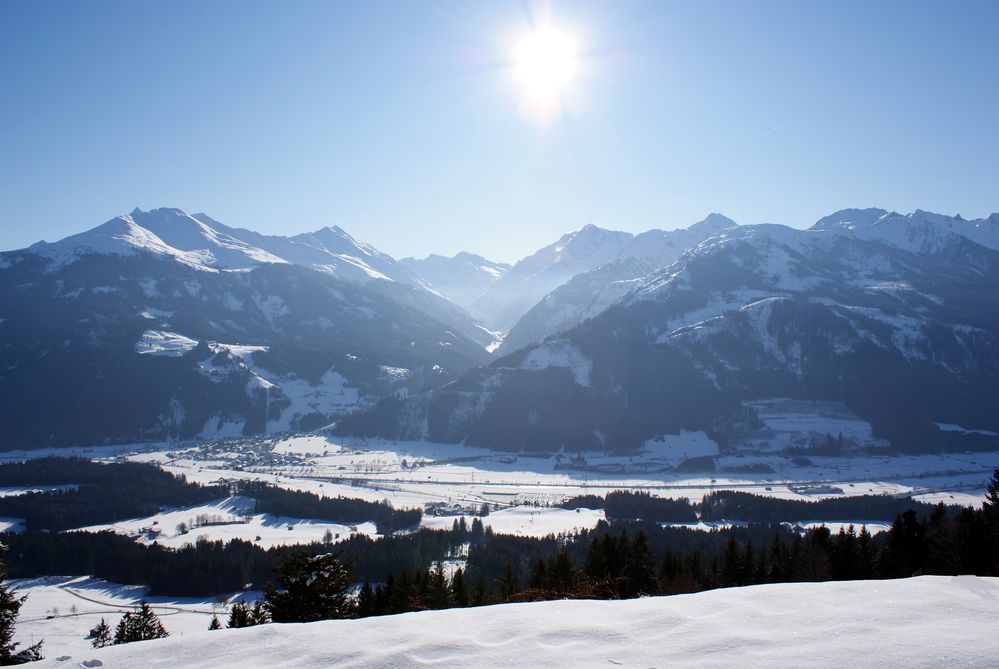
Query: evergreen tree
[[477, 530], [216, 624], [101, 635], [991, 503], [10, 605], [561, 572], [239, 616], [728, 568], [438, 593], [140, 625], [309, 588], [537, 579], [459, 594], [481, 595], [509, 583], [259, 615], [365, 601], [990, 522], [402, 596], [640, 569], [595, 565]]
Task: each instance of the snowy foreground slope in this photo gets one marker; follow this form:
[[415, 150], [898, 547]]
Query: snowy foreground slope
[[929, 621]]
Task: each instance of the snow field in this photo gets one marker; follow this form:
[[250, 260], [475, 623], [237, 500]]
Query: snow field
[[77, 604], [874, 624], [231, 518]]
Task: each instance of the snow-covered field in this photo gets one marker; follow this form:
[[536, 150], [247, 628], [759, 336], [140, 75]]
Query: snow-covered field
[[409, 474], [527, 521], [230, 518], [520, 490], [62, 611], [931, 621]]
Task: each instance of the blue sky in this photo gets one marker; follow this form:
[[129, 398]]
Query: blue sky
[[402, 122]]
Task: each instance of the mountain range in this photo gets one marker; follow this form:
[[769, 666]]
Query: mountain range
[[871, 318], [164, 325]]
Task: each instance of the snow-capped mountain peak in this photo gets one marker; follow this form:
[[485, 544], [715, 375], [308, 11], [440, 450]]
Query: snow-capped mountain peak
[[920, 231], [538, 274], [461, 279], [162, 232]]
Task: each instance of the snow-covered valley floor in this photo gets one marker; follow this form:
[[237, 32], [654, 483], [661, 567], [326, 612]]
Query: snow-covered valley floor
[[930, 621]]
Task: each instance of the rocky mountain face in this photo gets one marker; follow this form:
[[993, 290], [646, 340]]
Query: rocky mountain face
[[160, 325], [898, 335]]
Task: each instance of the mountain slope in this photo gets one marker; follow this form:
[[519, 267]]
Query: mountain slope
[[903, 340], [532, 278], [461, 279], [589, 293], [930, 621], [127, 338], [203, 243]]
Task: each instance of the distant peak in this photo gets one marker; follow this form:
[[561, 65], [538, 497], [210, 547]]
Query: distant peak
[[715, 221], [173, 211], [848, 219]]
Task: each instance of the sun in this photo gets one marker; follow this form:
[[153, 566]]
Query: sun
[[545, 61]]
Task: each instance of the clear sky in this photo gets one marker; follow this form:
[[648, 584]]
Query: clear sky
[[405, 122]]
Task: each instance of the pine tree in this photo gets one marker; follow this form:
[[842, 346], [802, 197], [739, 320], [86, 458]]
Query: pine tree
[[438, 593], [561, 572], [140, 625], [509, 583], [309, 588], [10, 605], [259, 615], [101, 635], [728, 570], [639, 569], [216, 624], [402, 595], [365, 601], [459, 593], [537, 580], [481, 595], [991, 503], [239, 616]]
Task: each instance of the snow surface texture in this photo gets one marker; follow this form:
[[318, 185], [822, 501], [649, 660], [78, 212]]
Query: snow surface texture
[[931, 621]]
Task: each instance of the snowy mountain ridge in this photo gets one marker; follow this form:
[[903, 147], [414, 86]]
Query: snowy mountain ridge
[[750, 314], [204, 243], [920, 231], [511, 296], [589, 293], [462, 278]]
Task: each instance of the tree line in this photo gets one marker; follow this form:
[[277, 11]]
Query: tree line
[[745, 507], [283, 502]]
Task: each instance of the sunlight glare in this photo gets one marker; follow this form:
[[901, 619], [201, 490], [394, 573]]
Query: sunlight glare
[[545, 63]]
